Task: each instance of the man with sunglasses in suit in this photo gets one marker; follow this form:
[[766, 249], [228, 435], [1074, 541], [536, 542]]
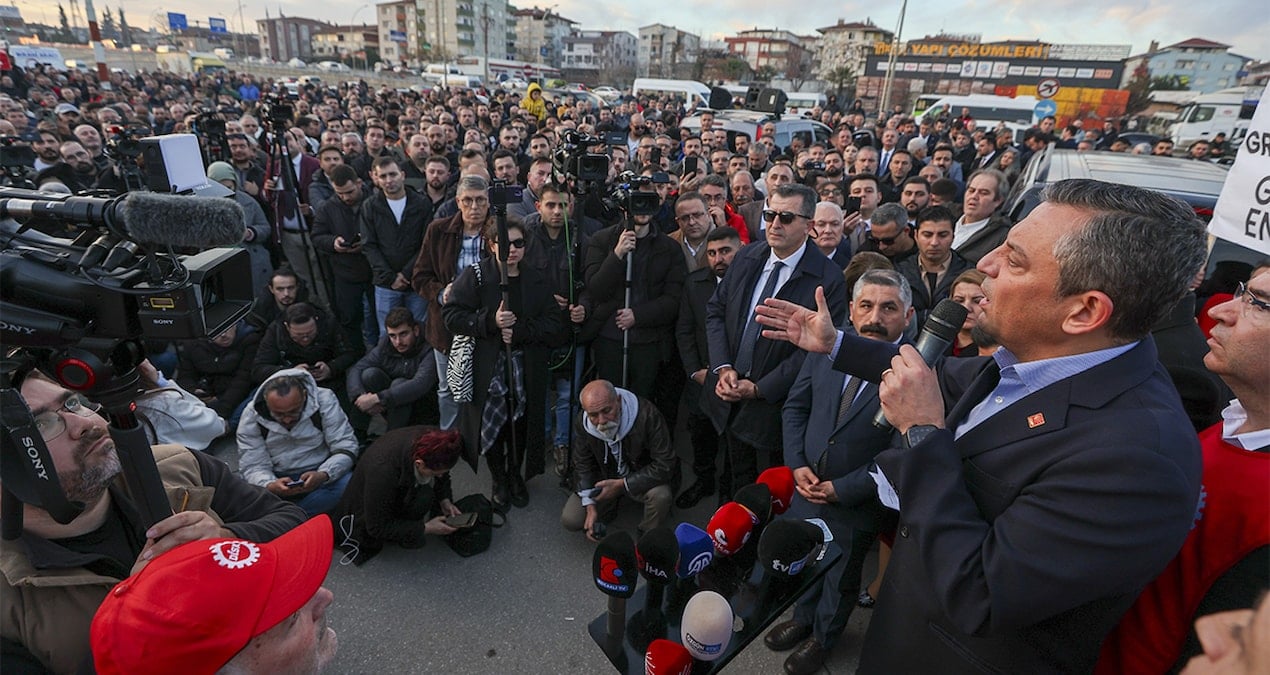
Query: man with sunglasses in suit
[[754, 373]]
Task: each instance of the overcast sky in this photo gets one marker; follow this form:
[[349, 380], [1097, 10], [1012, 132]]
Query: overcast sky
[[1243, 24]]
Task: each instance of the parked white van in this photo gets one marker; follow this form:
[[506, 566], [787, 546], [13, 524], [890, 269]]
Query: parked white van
[[986, 109], [695, 93]]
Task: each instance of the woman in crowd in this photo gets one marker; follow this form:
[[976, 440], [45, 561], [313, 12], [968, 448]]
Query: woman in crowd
[[399, 492], [967, 291], [503, 393]]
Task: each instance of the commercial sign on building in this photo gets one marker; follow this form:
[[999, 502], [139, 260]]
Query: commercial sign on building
[[1097, 66]]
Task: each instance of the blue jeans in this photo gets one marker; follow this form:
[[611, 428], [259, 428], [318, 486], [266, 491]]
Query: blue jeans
[[560, 403], [387, 299], [324, 498], [445, 402]]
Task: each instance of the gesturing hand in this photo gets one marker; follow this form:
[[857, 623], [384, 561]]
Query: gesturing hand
[[811, 331]]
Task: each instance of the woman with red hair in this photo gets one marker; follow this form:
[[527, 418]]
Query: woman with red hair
[[399, 492]]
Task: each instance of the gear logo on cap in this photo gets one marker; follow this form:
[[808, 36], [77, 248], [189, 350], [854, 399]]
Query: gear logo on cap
[[235, 554]]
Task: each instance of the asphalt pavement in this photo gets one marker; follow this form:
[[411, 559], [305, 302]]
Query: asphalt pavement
[[521, 607]]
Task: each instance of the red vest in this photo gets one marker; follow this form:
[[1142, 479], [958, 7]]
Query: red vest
[[1232, 521]]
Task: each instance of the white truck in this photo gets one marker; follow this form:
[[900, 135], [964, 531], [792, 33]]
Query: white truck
[[1228, 111]]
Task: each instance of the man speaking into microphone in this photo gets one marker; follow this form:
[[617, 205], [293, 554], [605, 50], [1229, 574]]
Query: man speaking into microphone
[[1041, 488]]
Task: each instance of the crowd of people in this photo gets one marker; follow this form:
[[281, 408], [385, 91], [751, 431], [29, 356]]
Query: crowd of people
[[435, 282]]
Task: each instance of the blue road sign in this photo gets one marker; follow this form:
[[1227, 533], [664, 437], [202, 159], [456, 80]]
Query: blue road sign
[[542, 51], [216, 25], [177, 21], [1045, 108]]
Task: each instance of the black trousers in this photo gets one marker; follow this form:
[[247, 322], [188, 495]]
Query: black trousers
[[643, 361], [701, 433], [742, 462]]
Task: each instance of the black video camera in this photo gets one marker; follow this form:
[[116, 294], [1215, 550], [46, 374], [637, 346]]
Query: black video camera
[[124, 143], [626, 196], [279, 113], [573, 160]]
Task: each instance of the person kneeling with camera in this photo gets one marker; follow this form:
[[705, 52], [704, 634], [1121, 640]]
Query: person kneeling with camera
[[400, 492]]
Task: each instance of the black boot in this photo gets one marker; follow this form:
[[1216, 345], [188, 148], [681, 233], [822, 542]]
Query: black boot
[[517, 489], [498, 471]]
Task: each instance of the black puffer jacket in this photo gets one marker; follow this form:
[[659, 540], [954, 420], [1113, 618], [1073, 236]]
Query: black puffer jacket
[[221, 372]]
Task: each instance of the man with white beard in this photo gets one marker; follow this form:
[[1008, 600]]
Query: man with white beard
[[621, 448]]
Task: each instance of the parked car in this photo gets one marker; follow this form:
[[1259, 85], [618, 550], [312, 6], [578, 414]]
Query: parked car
[[751, 122], [297, 63], [333, 67], [607, 93], [1197, 183]]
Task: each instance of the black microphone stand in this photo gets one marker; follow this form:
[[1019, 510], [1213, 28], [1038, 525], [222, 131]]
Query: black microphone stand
[[626, 303]]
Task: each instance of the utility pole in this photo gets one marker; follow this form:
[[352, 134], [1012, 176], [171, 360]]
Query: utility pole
[[890, 62], [485, 22], [99, 50]]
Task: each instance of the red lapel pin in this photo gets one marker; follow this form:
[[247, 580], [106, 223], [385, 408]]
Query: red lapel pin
[[1034, 421]]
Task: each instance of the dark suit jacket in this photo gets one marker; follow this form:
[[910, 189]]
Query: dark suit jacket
[[775, 362], [810, 431], [923, 303], [691, 340], [1022, 542], [990, 237]]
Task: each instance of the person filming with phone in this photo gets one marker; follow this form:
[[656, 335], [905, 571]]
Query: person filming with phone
[[400, 492]]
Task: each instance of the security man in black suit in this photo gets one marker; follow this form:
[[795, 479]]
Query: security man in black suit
[[830, 443], [755, 373], [721, 245]]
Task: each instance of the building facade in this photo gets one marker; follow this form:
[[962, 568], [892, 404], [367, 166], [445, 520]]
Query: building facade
[[1200, 65], [600, 57], [415, 32], [666, 51], [350, 42], [285, 38], [540, 36], [777, 51], [847, 45]]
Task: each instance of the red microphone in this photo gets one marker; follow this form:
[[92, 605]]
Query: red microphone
[[780, 480], [667, 658], [730, 528]]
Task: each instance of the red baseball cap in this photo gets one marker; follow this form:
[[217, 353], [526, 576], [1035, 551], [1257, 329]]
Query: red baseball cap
[[193, 608]]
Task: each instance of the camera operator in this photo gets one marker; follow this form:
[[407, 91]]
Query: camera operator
[[56, 575], [289, 204], [656, 283]]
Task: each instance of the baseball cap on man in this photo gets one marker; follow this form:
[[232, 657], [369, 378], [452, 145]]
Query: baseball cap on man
[[193, 608], [65, 108]]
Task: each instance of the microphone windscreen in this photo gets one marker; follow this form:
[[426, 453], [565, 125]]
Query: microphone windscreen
[[658, 555], [730, 528], [757, 499], [706, 628], [613, 566], [946, 319], [666, 657], [182, 221], [787, 545], [696, 550], [780, 481]]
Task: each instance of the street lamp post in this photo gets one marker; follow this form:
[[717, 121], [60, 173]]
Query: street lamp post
[[351, 26]]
